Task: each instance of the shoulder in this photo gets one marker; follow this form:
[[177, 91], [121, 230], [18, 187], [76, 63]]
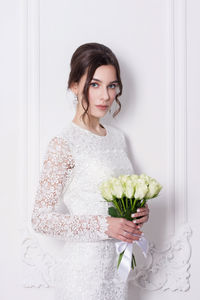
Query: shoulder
[[60, 141], [58, 151], [118, 135], [115, 130]]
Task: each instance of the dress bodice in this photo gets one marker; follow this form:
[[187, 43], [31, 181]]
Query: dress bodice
[[96, 158], [76, 162]]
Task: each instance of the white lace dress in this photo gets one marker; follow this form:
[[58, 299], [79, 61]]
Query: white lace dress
[[76, 162]]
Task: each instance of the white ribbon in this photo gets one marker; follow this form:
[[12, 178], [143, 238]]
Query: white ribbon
[[125, 264]]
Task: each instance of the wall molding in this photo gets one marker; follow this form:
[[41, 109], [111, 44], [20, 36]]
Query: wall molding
[[166, 268], [38, 265]]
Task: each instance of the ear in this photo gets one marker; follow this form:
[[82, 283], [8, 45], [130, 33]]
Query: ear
[[74, 87]]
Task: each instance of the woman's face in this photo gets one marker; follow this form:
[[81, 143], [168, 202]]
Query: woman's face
[[102, 91]]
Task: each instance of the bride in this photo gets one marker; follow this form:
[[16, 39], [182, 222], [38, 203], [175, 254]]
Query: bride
[[77, 160]]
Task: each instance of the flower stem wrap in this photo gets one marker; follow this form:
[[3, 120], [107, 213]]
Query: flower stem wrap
[[127, 258]]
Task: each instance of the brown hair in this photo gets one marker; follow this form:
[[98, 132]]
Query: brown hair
[[87, 58]]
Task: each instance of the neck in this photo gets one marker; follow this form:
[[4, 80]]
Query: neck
[[90, 122]]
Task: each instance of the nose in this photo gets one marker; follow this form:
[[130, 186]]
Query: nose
[[105, 94]]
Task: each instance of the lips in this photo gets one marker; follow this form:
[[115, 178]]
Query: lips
[[103, 106]]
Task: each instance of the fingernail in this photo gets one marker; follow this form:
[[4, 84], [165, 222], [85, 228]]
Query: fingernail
[[134, 221], [133, 215], [138, 210]]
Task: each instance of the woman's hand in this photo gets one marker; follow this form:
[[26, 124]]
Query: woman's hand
[[143, 214], [122, 229]]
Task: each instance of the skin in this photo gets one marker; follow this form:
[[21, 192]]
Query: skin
[[100, 93], [103, 92]]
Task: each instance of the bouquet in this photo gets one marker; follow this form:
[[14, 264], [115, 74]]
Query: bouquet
[[128, 193]]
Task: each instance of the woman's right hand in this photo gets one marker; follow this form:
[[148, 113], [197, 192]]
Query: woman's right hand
[[122, 229]]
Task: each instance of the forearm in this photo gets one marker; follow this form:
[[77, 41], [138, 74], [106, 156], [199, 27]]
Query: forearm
[[71, 227]]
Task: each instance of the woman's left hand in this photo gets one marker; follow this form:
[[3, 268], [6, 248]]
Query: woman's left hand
[[143, 214]]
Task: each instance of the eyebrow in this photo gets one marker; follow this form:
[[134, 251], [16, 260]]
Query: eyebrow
[[115, 81]]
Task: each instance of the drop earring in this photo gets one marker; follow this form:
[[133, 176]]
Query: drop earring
[[75, 99]]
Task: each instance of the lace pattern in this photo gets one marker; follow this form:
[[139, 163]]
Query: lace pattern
[[57, 168], [75, 163]]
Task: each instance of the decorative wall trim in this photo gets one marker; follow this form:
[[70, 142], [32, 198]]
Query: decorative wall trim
[[180, 83], [38, 265], [166, 268], [170, 66], [29, 119]]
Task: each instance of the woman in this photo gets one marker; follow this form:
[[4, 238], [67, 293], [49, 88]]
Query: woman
[[77, 160]]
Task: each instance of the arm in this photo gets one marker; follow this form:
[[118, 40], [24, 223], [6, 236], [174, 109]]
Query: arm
[[57, 167]]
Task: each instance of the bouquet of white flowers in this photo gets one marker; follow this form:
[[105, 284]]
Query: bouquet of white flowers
[[128, 193]]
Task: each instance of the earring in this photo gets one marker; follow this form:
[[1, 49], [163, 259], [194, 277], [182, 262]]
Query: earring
[[110, 109], [75, 98]]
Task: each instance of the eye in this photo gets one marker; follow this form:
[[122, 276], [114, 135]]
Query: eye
[[93, 84], [113, 86]]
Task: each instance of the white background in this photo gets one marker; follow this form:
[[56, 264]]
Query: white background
[[157, 44]]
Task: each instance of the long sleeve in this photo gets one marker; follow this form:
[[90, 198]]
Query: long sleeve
[[56, 171]]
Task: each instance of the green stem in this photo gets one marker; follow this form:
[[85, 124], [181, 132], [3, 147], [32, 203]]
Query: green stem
[[126, 202], [131, 202], [122, 200], [134, 259], [120, 258], [133, 205], [117, 206], [120, 203], [143, 202], [132, 266]]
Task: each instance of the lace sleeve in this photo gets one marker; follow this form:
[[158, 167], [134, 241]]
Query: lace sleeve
[[57, 167]]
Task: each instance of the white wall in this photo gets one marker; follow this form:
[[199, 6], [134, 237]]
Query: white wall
[[157, 44]]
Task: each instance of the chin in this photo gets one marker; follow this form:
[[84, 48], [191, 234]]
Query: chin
[[103, 113], [99, 113]]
